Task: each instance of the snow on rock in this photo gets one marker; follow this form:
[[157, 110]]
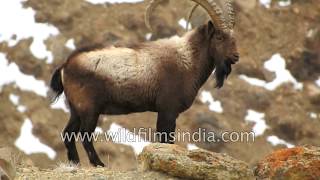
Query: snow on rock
[[98, 130], [214, 106], [260, 125], [277, 65], [265, 3], [70, 44], [22, 108], [30, 144], [253, 81], [274, 140], [318, 82], [60, 104], [183, 23], [148, 36], [283, 3], [313, 115], [121, 135], [113, 1], [192, 147], [19, 21], [23, 81], [16, 101]]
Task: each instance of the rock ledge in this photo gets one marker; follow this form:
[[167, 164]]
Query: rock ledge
[[195, 164]]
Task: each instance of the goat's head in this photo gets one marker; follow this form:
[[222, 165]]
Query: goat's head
[[222, 48], [223, 51]]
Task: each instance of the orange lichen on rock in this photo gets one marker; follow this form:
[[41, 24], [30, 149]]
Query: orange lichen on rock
[[294, 163], [279, 157]]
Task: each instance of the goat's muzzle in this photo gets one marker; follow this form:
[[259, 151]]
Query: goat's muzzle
[[234, 58]]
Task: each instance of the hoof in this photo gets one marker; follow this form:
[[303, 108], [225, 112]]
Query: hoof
[[74, 162], [98, 164]]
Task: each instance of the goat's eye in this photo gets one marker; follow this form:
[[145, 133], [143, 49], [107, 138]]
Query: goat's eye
[[219, 37]]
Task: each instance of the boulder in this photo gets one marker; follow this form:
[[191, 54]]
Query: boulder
[[195, 164], [291, 164]]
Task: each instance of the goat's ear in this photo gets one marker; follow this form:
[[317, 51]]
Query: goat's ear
[[211, 28]]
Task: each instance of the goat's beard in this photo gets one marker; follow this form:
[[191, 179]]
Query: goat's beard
[[222, 71]]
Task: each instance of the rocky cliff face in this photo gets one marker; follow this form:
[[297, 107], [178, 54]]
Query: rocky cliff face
[[290, 115]]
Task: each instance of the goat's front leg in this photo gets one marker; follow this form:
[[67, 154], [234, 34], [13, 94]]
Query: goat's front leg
[[166, 125]]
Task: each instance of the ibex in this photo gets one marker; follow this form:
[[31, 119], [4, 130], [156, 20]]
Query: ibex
[[162, 76]]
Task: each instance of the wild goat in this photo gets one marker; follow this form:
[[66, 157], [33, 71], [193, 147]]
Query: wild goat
[[163, 76]]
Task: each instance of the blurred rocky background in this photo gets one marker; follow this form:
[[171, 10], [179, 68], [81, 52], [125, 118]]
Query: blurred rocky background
[[274, 91]]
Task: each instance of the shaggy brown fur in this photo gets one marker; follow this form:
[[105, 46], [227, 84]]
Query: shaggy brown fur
[[163, 76]]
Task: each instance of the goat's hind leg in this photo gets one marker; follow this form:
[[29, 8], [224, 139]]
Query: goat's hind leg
[[69, 133], [88, 125]]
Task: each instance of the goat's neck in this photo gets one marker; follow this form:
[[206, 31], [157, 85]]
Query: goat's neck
[[203, 65]]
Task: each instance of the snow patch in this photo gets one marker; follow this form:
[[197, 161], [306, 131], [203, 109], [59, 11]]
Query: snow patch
[[98, 130], [274, 140], [148, 36], [22, 108], [23, 81], [14, 99], [283, 3], [121, 135], [183, 23], [277, 65], [19, 21], [318, 82], [260, 125], [253, 81], [70, 44], [113, 1], [214, 106], [60, 104], [30, 144], [265, 3], [192, 147], [313, 115]]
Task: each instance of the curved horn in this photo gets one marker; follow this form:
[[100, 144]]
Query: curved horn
[[210, 6], [231, 14], [151, 7], [190, 15]]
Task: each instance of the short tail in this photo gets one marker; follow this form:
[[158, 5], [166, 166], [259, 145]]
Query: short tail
[[56, 85]]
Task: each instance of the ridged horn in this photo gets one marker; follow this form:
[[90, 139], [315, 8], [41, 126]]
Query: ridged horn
[[231, 14], [210, 6]]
